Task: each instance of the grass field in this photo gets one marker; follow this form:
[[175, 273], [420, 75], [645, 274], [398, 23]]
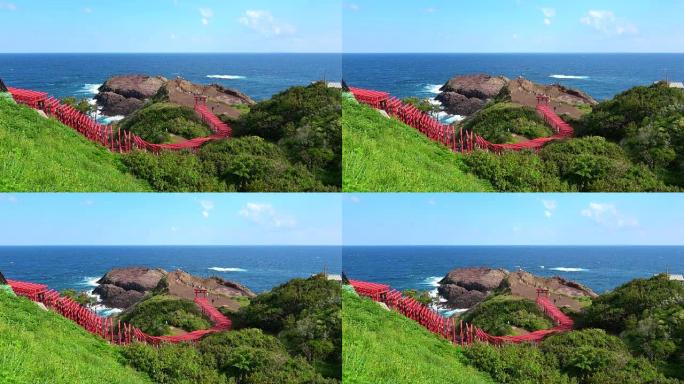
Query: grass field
[[383, 347], [384, 155], [40, 347], [42, 155]]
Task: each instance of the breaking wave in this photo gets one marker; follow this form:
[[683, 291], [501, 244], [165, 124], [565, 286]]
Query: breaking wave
[[219, 269], [566, 269], [226, 77], [570, 77]]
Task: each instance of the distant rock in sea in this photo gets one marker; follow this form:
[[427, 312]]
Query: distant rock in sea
[[465, 287]]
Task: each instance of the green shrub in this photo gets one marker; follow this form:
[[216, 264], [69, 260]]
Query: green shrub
[[174, 172], [516, 172], [173, 364], [305, 313], [592, 164], [305, 123], [499, 122], [157, 314], [648, 314], [251, 164], [516, 364], [157, 121], [497, 315]]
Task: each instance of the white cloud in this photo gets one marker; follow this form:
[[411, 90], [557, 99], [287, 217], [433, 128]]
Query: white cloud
[[207, 15], [7, 6], [351, 6], [609, 216], [266, 215], [264, 23], [207, 207], [549, 207], [549, 14], [607, 23]]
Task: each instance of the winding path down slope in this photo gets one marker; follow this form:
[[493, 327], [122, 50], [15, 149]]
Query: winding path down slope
[[116, 333]]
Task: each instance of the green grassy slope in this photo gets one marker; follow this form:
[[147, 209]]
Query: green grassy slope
[[379, 346], [384, 155], [38, 347], [41, 155]]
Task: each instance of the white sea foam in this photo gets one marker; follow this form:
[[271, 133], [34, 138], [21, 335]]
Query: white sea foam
[[219, 269], [433, 88], [566, 269], [112, 119], [92, 89], [226, 77], [570, 77], [90, 281], [446, 118]]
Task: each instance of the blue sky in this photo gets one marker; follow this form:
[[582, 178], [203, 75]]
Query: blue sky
[[170, 26], [513, 219], [513, 26], [170, 219]]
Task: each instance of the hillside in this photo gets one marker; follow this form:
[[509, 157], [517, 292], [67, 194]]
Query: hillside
[[42, 155], [384, 155], [380, 346], [37, 346]]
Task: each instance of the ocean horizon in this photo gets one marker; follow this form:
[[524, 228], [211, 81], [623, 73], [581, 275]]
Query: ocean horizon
[[601, 268]]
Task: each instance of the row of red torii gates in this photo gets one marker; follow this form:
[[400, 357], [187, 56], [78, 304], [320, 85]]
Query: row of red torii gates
[[460, 333], [118, 140], [461, 140], [117, 332]]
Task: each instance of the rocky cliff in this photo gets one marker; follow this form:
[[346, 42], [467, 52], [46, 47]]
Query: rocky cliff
[[124, 287], [465, 287], [465, 95], [123, 95]]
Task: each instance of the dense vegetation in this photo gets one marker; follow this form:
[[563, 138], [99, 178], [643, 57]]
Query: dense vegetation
[[499, 314], [649, 316], [305, 123], [384, 155], [290, 143], [289, 335], [383, 347], [584, 357], [165, 122], [37, 346], [503, 123], [305, 314], [42, 155], [648, 122], [157, 314], [589, 164]]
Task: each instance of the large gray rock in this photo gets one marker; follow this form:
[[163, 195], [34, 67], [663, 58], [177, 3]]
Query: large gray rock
[[134, 279], [114, 104], [478, 86], [458, 104], [134, 86]]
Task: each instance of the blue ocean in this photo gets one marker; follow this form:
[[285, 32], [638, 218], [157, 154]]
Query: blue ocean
[[600, 268], [600, 75], [258, 75], [258, 268]]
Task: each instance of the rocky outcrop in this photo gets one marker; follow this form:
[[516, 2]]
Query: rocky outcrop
[[123, 95], [465, 95], [465, 287], [124, 287]]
